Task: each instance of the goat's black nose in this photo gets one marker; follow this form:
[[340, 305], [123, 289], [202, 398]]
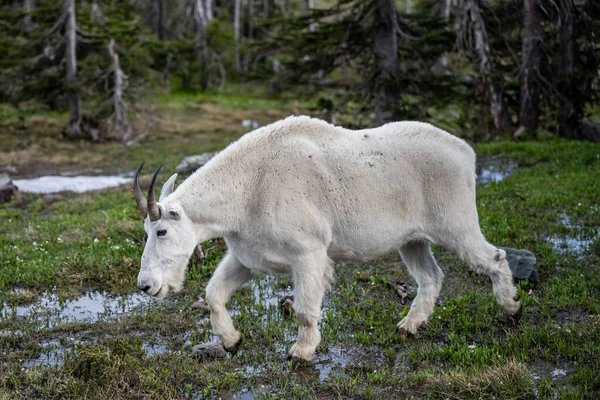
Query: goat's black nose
[[144, 288]]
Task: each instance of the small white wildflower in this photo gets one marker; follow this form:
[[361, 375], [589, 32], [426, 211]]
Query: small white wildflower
[[117, 247], [59, 239], [96, 240], [34, 243]]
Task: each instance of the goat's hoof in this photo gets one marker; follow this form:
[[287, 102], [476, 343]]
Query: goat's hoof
[[407, 327], [403, 331], [234, 349], [299, 362], [517, 316]]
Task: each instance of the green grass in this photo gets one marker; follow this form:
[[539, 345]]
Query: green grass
[[69, 243]]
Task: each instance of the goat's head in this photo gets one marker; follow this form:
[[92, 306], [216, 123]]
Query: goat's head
[[171, 239]]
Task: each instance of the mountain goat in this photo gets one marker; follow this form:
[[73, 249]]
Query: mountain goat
[[294, 196]]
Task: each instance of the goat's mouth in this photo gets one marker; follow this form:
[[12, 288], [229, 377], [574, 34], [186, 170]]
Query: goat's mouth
[[165, 290], [162, 292]]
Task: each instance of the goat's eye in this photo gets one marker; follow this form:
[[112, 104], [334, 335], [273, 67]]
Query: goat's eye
[[162, 232]]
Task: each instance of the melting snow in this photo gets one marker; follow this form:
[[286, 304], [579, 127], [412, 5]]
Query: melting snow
[[79, 184]]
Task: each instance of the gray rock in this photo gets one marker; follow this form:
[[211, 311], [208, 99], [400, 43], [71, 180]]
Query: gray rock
[[192, 163], [287, 305], [200, 304], [209, 350], [522, 263], [9, 169], [403, 291], [589, 130], [7, 188]]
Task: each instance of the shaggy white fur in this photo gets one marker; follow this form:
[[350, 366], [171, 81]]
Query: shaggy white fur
[[293, 196]]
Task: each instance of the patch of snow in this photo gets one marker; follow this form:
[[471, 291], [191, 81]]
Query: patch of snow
[[79, 184]]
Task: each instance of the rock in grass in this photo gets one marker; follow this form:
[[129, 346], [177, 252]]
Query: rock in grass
[[287, 305], [192, 163], [7, 188], [200, 304], [402, 290], [209, 350], [522, 263], [590, 130]]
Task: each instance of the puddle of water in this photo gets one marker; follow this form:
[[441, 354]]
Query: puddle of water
[[244, 394], [339, 358], [266, 292], [542, 368], [494, 169], [52, 354], [79, 184], [249, 123], [88, 308], [154, 348], [572, 244]]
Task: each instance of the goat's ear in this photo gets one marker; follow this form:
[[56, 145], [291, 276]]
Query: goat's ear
[[167, 188], [174, 214]]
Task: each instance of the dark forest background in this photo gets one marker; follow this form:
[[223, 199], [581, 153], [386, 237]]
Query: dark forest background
[[524, 68]]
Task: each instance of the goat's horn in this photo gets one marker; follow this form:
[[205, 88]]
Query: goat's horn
[[153, 210], [137, 193]]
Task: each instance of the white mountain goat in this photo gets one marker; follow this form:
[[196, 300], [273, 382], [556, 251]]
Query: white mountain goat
[[294, 196]]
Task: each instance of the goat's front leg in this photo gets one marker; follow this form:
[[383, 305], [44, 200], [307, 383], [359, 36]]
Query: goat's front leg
[[311, 278], [228, 277]]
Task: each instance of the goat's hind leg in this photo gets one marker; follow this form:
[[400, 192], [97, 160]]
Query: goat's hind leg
[[228, 277], [428, 275]]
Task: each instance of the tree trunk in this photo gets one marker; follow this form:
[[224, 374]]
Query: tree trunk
[[310, 5], [531, 57], [494, 89], [446, 9], [71, 65], [386, 46], [120, 123], [237, 28], [408, 6], [250, 19], [29, 6], [445, 12], [266, 8], [158, 16], [567, 117], [203, 14]]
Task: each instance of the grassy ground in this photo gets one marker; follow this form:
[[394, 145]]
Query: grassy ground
[[70, 244]]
